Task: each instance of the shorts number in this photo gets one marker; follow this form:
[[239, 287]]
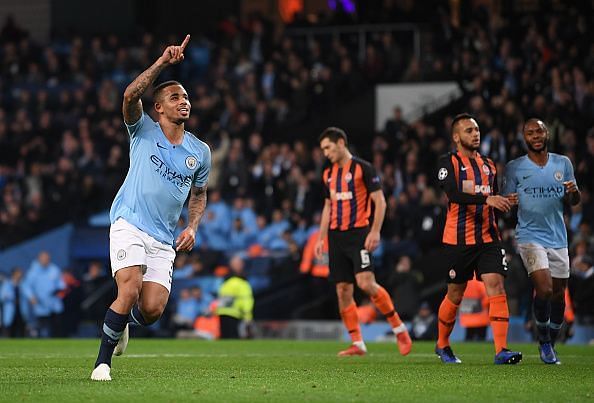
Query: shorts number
[[365, 261], [503, 259]]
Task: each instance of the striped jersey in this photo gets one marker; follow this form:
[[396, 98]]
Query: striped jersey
[[348, 189], [468, 182]]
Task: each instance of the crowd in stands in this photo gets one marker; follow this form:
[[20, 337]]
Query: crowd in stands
[[64, 151]]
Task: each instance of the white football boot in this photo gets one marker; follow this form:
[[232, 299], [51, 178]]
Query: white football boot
[[123, 342], [101, 373]]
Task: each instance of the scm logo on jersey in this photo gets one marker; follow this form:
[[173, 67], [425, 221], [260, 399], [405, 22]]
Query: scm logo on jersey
[[341, 195], [485, 189]]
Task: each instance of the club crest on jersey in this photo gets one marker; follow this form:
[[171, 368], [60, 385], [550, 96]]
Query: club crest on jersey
[[348, 177], [442, 174], [486, 169], [558, 176], [452, 274], [191, 162]]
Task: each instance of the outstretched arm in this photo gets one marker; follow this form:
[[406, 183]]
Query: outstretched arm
[[132, 105], [196, 206]]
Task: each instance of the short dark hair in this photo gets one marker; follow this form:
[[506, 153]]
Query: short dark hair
[[333, 134], [157, 89], [531, 120], [459, 117]]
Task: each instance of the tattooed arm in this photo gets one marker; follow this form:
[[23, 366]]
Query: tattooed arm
[[196, 207], [132, 106]]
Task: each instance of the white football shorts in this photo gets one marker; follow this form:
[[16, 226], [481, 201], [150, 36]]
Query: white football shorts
[[537, 257], [129, 246]]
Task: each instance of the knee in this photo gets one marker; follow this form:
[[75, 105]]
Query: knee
[[151, 312], [544, 292], [344, 292], [368, 287], [455, 297], [128, 294], [494, 286], [558, 296]]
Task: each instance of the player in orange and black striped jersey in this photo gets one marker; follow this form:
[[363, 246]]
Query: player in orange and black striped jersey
[[471, 237], [351, 185]]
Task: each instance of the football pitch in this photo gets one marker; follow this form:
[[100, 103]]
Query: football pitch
[[159, 370]]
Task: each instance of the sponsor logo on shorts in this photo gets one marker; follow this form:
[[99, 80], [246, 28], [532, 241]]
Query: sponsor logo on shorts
[[121, 255], [452, 274]]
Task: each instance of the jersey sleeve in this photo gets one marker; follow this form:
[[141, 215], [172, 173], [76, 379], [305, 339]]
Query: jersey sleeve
[[510, 181], [447, 181], [371, 178], [201, 175], [569, 175], [134, 128], [325, 183]]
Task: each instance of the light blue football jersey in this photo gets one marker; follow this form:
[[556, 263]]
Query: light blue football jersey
[[540, 192], [159, 179]]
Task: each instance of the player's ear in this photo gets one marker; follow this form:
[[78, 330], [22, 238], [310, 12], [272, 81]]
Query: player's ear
[[158, 107]]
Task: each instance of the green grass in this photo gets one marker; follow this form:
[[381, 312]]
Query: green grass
[[190, 370]]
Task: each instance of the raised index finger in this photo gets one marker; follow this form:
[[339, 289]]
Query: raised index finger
[[185, 42]]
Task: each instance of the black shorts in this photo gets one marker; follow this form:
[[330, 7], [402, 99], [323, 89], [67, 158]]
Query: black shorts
[[347, 254], [462, 261]]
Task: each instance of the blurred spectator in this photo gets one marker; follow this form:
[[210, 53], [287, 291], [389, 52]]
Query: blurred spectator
[[405, 284], [474, 311], [96, 298], [582, 290], [320, 291], [15, 307], [424, 324], [41, 286], [191, 304], [235, 301]]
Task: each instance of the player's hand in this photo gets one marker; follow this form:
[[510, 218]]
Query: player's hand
[[513, 199], [500, 203], [372, 241], [319, 249], [175, 54], [185, 241], [570, 186]]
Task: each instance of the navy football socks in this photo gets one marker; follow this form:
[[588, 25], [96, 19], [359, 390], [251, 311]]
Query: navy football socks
[[113, 327]]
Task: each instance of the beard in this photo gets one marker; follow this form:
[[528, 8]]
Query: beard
[[537, 150], [469, 145]]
